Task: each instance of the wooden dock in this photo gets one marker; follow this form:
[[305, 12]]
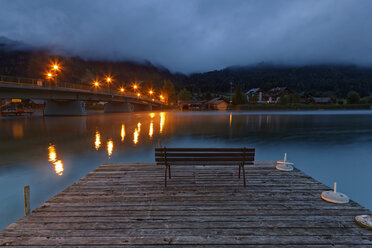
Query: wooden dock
[[127, 204]]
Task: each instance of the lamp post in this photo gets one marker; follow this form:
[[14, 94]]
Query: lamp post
[[95, 85], [109, 80], [56, 68], [49, 76]]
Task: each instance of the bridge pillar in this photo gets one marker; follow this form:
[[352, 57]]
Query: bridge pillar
[[118, 107], [141, 107], [53, 107]]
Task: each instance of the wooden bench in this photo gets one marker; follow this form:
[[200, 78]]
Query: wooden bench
[[204, 156]]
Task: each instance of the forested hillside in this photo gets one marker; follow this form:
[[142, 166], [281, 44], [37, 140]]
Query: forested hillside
[[35, 63], [325, 80]]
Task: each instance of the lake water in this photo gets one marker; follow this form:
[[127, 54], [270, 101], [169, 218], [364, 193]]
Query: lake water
[[51, 153]]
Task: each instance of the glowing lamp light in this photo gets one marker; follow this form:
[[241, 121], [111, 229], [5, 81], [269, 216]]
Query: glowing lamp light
[[49, 75], [151, 92], [95, 83], [138, 94], [135, 86], [108, 79], [121, 89], [55, 67]]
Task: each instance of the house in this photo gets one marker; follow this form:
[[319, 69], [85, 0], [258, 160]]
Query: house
[[258, 95], [305, 97], [274, 94], [190, 104], [322, 100], [216, 104], [255, 95]]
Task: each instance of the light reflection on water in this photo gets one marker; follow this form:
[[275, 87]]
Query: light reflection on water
[[57, 164], [110, 147], [97, 142], [51, 153], [122, 132]]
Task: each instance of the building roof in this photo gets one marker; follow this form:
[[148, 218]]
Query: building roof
[[216, 100], [322, 99], [190, 102], [252, 91], [278, 91]]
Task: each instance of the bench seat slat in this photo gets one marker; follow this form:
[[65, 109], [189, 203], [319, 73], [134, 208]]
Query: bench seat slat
[[205, 150], [220, 154]]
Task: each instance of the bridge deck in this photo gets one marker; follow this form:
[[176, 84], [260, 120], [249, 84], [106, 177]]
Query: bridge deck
[[120, 204]]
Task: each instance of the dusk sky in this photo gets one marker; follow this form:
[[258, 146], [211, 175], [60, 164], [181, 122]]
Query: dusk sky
[[196, 36]]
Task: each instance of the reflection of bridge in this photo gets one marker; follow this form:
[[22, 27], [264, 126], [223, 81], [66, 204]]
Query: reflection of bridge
[[68, 99]]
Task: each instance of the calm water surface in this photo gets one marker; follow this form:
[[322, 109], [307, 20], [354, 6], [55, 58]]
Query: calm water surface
[[50, 153]]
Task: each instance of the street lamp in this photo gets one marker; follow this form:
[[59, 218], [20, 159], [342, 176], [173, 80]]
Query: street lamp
[[96, 85], [109, 80], [49, 76], [55, 68]]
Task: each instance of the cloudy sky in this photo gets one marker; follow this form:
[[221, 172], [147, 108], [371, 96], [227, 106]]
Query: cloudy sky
[[197, 35]]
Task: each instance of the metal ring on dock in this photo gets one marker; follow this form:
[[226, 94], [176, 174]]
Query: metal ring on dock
[[364, 221], [334, 197]]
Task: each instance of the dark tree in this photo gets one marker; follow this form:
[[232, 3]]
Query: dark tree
[[184, 94], [168, 91], [353, 97], [239, 97]]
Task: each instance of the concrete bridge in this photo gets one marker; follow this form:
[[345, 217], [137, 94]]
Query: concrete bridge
[[69, 99]]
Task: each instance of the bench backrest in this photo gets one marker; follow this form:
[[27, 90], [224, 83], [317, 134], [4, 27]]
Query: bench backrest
[[204, 156]]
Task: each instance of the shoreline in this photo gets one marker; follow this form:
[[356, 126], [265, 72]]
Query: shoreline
[[301, 107]]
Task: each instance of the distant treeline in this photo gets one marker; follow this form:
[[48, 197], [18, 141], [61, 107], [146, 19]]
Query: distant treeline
[[326, 80]]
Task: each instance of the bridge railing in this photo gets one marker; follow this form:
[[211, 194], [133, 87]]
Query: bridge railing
[[51, 84]]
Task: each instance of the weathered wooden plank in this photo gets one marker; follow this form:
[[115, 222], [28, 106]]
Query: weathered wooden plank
[[117, 232], [195, 240], [236, 212], [160, 224]]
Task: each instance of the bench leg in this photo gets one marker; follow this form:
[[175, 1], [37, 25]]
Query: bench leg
[[244, 177], [169, 172], [165, 175], [239, 171]]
